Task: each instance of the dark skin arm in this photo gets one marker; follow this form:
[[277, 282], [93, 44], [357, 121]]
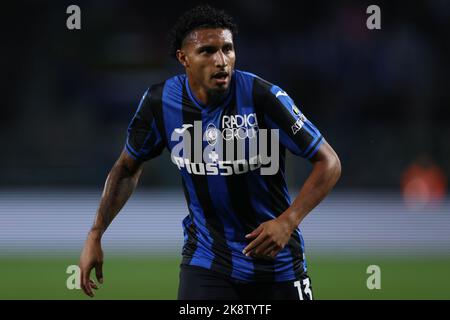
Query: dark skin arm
[[271, 236], [119, 185]]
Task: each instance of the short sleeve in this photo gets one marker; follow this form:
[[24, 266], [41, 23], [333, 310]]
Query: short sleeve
[[144, 141], [296, 132]]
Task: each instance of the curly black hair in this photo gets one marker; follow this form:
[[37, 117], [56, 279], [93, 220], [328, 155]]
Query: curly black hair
[[203, 16]]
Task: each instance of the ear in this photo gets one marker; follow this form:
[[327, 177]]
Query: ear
[[182, 58]]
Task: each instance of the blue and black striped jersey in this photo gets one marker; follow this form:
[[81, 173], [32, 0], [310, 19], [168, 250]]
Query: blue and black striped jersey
[[227, 199]]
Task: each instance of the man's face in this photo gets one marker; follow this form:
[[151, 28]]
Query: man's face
[[208, 56]]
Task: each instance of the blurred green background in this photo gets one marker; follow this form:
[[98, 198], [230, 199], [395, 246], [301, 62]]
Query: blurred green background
[[42, 233], [157, 278]]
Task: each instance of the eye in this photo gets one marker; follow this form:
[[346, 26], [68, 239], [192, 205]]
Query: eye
[[227, 48], [207, 50]]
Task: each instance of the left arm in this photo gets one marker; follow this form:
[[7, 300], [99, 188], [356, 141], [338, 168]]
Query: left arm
[[271, 236]]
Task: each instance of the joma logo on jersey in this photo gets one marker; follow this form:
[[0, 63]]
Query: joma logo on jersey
[[239, 126]]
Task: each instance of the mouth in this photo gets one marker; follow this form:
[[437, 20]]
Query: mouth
[[221, 77]]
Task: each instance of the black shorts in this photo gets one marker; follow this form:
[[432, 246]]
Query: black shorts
[[197, 283]]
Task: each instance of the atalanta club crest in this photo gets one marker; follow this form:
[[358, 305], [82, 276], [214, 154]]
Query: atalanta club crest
[[211, 134]]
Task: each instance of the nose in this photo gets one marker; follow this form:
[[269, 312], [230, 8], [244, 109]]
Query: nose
[[221, 59]]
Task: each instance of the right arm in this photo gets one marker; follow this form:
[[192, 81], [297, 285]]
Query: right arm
[[144, 142], [119, 185]]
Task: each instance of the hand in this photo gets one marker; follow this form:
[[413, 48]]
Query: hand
[[269, 238], [91, 257]]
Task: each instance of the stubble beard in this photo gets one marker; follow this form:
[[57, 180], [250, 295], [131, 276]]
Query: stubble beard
[[216, 95]]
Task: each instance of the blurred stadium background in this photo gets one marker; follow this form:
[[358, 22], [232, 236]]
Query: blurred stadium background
[[380, 98]]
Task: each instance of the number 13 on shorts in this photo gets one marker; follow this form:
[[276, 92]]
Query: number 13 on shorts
[[304, 289]]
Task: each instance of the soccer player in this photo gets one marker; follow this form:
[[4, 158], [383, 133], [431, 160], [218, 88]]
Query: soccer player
[[241, 236]]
